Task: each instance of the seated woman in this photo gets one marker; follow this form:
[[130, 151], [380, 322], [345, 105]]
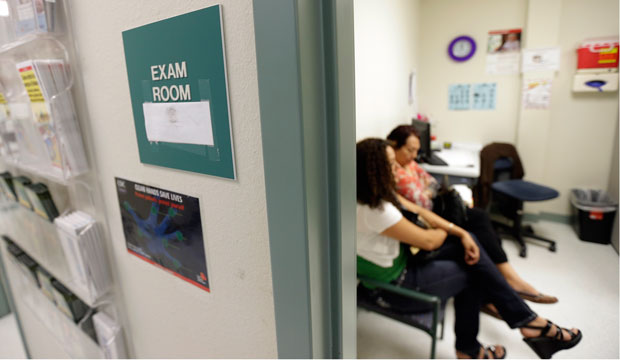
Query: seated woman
[[466, 271], [418, 186]]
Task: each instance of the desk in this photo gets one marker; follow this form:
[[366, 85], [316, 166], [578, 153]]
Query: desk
[[463, 164]]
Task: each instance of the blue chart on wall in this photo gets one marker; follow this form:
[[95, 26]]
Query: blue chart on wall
[[459, 97], [480, 96], [483, 96], [164, 229]]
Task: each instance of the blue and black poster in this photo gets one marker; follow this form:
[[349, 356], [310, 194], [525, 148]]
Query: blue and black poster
[[163, 228]]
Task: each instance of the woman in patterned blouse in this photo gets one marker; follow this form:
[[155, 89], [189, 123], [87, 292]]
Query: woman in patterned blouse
[[418, 186]]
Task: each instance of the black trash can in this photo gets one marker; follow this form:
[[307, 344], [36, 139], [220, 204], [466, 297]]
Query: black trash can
[[594, 212]]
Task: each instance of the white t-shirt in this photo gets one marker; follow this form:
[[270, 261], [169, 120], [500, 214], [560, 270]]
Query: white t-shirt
[[371, 245]]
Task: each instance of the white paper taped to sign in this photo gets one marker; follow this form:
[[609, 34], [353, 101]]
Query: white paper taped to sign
[[181, 122]]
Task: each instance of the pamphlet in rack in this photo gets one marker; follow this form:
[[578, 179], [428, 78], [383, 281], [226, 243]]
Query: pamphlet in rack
[[46, 83], [56, 256], [109, 336], [33, 16], [81, 241]]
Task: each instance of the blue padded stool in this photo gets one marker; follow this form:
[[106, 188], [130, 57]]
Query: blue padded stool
[[508, 197]]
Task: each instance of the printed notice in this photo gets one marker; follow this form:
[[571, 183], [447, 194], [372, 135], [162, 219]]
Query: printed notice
[[537, 94], [546, 59], [164, 229], [182, 123]]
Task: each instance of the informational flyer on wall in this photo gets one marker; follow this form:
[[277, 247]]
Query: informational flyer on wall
[[503, 52], [545, 59], [164, 229], [537, 93]]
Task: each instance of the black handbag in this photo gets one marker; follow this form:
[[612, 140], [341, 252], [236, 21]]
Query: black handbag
[[422, 256], [413, 217], [449, 205]]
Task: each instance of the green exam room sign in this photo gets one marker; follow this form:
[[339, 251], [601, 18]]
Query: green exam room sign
[[179, 96]]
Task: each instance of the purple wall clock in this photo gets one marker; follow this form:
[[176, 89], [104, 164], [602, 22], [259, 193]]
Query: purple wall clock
[[462, 48]]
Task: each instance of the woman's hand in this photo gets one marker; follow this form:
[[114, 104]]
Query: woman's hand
[[428, 193], [472, 252]]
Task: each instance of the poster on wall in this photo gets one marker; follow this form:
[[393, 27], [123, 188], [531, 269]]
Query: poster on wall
[[537, 93], [179, 94], [458, 97], [544, 59], [164, 229], [503, 52]]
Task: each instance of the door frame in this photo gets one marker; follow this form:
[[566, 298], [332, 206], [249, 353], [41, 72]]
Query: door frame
[[305, 64]]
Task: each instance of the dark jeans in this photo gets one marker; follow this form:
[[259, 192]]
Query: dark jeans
[[479, 224], [447, 275]]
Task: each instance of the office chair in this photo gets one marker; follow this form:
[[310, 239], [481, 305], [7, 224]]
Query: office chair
[[502, 191]]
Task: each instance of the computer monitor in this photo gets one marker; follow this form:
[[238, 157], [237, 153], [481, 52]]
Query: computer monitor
[[425, 154], [424, 134]]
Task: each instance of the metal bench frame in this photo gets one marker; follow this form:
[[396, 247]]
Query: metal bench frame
[[409, 319]]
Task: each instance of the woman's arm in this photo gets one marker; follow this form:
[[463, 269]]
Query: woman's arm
[[472, 252], [431, 218], [409, 233]]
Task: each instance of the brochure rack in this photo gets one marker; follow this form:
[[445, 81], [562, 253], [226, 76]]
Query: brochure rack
[[41, 139], [46, 138], [71, 336], [39, 239]]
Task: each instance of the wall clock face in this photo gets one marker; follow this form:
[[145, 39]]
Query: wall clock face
[[462, 48]]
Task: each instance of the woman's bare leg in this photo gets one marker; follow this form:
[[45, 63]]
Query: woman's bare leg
[[515, 281]]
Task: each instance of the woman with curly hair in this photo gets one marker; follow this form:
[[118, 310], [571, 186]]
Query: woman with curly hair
[[419, 187], [457, 268]]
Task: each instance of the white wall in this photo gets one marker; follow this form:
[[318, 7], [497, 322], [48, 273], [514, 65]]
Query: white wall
[[442, 21], [386, 43], [165, 316]]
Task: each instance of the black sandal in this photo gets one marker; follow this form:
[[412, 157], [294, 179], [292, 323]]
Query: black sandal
[[486, 350], [545, 346]]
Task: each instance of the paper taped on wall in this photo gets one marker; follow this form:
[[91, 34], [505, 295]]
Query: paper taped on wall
[[179, 122]]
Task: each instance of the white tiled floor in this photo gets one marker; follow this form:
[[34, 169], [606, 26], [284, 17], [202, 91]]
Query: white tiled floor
[[583, 275], [10, 341]]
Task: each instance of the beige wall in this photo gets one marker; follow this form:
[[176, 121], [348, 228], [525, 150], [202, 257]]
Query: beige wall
[[579, 147], [166, 317], [386, 47], [442, 21]]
